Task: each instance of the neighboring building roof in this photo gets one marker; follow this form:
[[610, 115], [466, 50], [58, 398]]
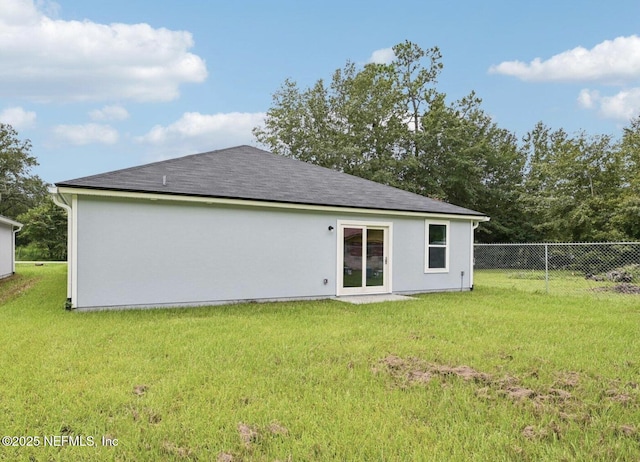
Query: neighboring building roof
[[8, 221], [245, 172]]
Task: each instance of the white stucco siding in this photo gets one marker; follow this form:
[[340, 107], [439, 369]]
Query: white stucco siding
[[6, 250], [146, 253], [409, 257], [137, 252]]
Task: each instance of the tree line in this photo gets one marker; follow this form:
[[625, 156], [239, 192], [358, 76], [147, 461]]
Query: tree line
[[24, 197], [389, 123]]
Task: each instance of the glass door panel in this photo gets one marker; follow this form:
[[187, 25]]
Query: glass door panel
[[352, 258], [375, 257]]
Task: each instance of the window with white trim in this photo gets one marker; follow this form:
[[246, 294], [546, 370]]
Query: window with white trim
[[436, 259]]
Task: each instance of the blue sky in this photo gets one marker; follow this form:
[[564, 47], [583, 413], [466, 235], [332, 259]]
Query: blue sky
[[98, 86]]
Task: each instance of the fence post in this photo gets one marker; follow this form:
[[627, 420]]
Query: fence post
[[546, 266]]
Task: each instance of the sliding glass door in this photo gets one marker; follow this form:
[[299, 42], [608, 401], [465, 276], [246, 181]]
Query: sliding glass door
[[363, 258]]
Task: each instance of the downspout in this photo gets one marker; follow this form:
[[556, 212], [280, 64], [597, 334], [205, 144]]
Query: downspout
[[474, 226], [60, 201]]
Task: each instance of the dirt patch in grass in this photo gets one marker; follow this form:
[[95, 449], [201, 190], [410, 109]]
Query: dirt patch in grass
[[416, 370], [561, 400], [464, 372], [248, 434], [627, 430], [532, 433], [14, 286], [558, 394], [624, 394], [519, 393], [176, 451], [154, 417], [553, 397], [251, 436], [619, 397], [567, 379], [419, 376], [395, 362], [276, 428], [225, 457], [409, 371], [140, 390]]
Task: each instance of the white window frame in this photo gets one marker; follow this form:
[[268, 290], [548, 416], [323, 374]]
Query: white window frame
[[447, 246]]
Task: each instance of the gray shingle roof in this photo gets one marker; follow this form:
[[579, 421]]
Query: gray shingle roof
[[245, 172]]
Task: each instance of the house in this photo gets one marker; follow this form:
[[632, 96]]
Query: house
[[243, 224], [8, 230]]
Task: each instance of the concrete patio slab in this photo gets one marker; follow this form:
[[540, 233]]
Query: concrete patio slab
[[363, 299]]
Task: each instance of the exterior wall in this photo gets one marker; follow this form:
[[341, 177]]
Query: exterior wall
[[409, 258], [6, 250], [152, 253]]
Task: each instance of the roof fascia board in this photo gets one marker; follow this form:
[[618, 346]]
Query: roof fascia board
[[9, 221], [255, 203]]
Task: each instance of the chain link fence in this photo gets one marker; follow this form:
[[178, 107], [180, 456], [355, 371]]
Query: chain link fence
[[561, 268]]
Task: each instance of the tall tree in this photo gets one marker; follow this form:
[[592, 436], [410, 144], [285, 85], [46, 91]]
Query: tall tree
[[350, 126], [627, 216], [45, 227], [466, 159], [19, 188], [388, 123], [417, 84], [572, 185]]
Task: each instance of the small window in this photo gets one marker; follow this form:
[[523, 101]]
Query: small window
[[437, 247]]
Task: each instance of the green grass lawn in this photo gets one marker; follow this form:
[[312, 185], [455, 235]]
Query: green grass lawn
[[558, 282], [547, 377]]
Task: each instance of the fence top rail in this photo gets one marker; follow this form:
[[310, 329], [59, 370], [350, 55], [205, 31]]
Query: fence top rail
[[555, 243]]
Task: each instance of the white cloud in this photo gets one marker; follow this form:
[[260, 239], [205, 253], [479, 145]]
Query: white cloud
[[612, 61], [109, 113], [47, 59], [382, 56], [202, 132], [587, 98], [622, 106], [18, 118], [86, 134]]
